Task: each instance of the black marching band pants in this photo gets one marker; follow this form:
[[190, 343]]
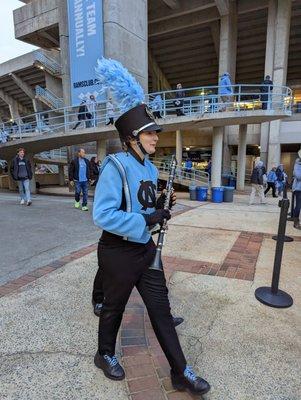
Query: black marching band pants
[[122, 266]]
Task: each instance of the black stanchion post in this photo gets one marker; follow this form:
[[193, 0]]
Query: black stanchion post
[[286, 238], [273, 296]]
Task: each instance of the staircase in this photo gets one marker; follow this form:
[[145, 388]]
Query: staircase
[[47, 63], [49, 98]]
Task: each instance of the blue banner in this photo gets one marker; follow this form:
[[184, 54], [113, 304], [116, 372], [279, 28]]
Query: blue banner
[[85, 46]]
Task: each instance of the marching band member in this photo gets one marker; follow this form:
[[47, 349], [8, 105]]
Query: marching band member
[[125, 208]]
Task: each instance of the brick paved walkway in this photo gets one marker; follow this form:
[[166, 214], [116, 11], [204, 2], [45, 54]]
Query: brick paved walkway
[[147, 370]]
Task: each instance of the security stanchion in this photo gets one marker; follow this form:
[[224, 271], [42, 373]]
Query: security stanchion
[[286, 238], [291, 217], [273, 296]]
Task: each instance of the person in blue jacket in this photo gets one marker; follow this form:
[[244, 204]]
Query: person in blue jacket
[[271, 181], [225, 91], [126, 208]]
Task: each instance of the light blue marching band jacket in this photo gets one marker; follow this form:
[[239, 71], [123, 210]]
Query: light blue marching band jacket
[[123, 173]]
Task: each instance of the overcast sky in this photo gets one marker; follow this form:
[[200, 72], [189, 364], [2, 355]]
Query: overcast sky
[[9, 46]]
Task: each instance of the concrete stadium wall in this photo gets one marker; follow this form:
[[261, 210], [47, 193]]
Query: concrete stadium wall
[[35, 16]]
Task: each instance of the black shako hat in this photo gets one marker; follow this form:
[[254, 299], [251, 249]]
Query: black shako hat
[[134, 121]]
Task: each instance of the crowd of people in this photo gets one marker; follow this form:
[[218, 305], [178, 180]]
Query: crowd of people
[[277, 180]]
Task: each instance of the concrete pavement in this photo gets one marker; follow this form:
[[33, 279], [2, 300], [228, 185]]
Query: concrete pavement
[[246, 350], [34, 236]]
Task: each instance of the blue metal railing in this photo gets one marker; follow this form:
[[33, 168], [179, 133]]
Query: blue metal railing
[[48, 63], [199, 102], [49, 97]]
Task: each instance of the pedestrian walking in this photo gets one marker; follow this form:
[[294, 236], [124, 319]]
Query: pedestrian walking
[[82, 114], [179, 102], [21, 172], [297, 191], [110, 112], [266, 89], [126, 209], [257, 181], [79, 175], [91, 114], [225, 91], [280, 179], [271, 182]]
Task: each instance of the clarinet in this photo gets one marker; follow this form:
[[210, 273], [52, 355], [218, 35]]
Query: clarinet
[[157, 262]]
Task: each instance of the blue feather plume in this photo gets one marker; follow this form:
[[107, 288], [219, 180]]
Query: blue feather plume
[[125, 91]]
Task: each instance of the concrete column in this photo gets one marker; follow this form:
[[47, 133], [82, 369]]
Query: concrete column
[[125, 35], [217, 153], [101, 149], [33, 188], [268, 70], [283, 19], [61, 175], [14, 112], [228, 42], [227, 63], [241, 157], [264, 141], [126, 40], [179, 147], [64, 46]]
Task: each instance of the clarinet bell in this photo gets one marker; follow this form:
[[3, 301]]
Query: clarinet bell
[[157, 262]]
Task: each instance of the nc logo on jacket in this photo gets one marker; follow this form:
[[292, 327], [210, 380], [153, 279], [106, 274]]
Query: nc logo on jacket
[[147, 194]]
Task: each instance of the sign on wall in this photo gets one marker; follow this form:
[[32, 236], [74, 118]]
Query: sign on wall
[[85, 46]]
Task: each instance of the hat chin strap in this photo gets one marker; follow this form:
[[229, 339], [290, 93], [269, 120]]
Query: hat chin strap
[[139, 144]]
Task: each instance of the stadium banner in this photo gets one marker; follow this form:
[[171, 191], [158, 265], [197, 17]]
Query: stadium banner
[[85, 20]]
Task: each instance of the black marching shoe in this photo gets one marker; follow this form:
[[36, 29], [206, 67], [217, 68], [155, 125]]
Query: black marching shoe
[[177, 321], [189, 381], [110, 366]]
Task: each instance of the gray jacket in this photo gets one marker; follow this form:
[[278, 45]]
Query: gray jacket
[[297, 175]]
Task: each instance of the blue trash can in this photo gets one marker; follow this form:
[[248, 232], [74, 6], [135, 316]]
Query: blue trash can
[[228, 194], [201, 193], [192, 192], [217, 194]]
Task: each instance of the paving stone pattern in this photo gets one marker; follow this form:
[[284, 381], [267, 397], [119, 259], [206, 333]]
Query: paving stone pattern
[[147, 370]]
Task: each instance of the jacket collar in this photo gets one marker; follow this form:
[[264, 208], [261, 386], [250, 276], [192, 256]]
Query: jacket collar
[[135, 155]]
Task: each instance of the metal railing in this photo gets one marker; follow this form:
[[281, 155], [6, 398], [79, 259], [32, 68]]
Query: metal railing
[[184, 176], [213, 99], [50, 98], [193, 103], [48, 63]]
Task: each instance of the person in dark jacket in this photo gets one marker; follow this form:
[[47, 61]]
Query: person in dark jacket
[[266, 90], [179, 102], [80, 175], [82, 111], [22, 173], [94, 167], [257, 180]]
